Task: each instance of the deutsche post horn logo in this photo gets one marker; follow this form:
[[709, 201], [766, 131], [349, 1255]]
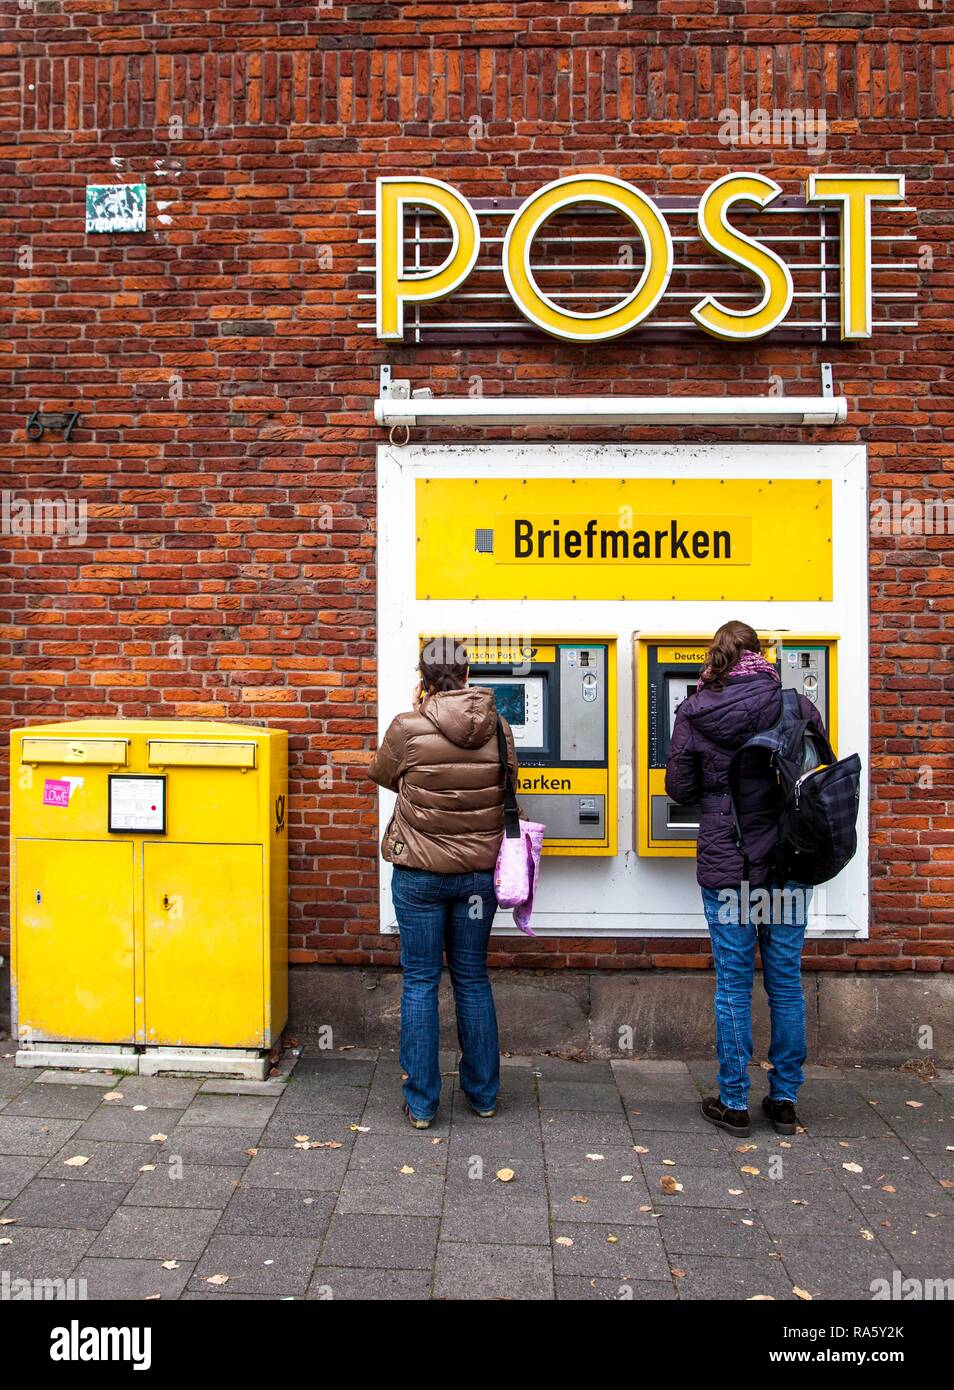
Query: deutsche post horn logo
[[280, 815]]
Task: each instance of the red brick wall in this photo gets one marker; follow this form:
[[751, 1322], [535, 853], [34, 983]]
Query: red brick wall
[[212, 583]]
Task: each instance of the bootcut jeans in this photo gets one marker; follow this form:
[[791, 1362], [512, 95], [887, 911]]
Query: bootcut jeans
[[448, 914]]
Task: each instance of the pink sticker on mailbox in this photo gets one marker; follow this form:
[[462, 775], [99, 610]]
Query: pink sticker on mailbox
[[56, 792]]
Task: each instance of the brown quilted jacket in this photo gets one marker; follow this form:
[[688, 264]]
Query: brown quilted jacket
[[442, 761]]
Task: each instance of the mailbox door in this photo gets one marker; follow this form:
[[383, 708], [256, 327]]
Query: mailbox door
[[74, 941], [204, 945]]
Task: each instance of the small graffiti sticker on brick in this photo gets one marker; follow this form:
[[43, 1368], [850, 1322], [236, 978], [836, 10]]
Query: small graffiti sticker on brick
[[116, 207]]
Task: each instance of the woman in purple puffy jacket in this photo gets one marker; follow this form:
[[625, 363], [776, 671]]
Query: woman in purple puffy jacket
[[738, 695]]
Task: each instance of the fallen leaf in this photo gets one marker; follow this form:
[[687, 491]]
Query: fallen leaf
[[867, 1235], [669, 1185], [915, 1104], [766, 1066], [746, 1148], [761, 1298], [251, 1152], [301, 1138], [639, 1149], [747, 1168], [678, 1273], [612, 1240], [563, 1240], [669, 1162], [151, 1297], [888, 1188], [802, 1293], [158, 1138], [5, 1240], [843, 1144], [783, 1144], [407, 1168], [597, 1158], [736, 1191], [113, 1095], [946, 1182], [799, 1202], [148, 1168], [746, 1222], [582, 1200], [645, 1209], [437, 1141], [7, 1220], [852, 1167], [217, 1279], [506, 1174], [627, 1177], [170, 1264], [360, 1129], [76, 1162], [140, 1107]]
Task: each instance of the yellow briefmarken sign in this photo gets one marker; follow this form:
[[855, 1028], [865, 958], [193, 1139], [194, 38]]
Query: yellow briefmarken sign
[[630, 538]]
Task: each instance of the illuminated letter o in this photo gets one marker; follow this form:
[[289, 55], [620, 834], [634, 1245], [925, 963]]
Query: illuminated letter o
[[604, 323]]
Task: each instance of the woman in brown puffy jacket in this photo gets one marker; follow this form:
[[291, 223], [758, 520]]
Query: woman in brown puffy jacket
[[442, 760]]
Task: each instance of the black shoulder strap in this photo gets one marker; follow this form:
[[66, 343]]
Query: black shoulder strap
[[511, 809]]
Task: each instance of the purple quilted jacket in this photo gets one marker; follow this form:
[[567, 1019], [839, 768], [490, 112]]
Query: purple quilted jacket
[[710, 726]]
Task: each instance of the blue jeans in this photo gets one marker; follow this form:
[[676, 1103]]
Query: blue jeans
[[777, 923], [452, 913]]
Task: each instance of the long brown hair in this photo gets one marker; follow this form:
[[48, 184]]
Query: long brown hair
[[728, 644], [443, 665]]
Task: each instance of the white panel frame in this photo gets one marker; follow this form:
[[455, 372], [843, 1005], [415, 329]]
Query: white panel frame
[[629, 896]]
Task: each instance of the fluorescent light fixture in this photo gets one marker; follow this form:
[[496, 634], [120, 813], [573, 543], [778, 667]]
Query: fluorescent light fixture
[[612, 410]]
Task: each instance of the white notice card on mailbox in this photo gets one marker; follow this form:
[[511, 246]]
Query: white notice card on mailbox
[[137, 804]]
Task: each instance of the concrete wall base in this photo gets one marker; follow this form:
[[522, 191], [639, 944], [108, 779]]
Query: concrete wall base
[[878, 1020]]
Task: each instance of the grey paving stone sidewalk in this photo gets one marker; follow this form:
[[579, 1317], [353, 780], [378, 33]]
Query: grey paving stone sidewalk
[[318, 1189]]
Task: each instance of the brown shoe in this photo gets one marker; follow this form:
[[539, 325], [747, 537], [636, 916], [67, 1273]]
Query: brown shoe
[[735, 1121], [782, 1114], [414, 1120]]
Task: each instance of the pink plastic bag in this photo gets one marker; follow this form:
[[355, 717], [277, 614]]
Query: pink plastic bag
[[518, 872]]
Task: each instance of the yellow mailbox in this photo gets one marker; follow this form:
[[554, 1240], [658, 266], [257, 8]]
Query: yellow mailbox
[[149, 894]]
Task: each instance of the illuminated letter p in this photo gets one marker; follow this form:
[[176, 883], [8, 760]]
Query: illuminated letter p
[[395, 285]]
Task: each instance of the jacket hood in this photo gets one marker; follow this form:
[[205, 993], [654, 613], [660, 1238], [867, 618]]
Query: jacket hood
[[466, 717], [731, 715]]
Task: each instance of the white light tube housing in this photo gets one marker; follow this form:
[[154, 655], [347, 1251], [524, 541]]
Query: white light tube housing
[[612, 410]]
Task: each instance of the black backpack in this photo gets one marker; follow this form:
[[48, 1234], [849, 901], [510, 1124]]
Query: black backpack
[[818, 797]]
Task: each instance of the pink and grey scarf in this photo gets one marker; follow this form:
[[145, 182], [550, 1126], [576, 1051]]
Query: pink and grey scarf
[[749, 664]]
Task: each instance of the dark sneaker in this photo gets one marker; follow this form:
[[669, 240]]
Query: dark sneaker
[[735, 1121], [782, 1114], [413, 1119]]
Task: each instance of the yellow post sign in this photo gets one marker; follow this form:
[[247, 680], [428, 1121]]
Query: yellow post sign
[[624, 538], [399, 283]]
